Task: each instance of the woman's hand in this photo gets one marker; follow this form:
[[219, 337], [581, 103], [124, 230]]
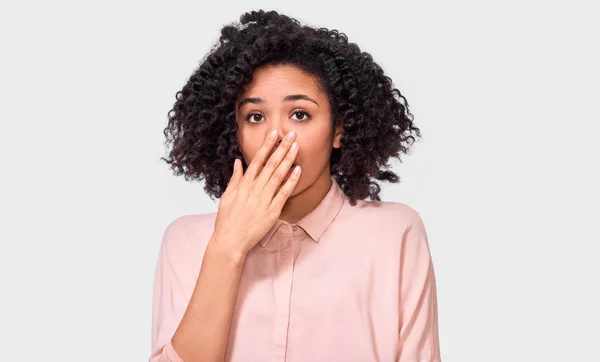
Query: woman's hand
[[253, 201]]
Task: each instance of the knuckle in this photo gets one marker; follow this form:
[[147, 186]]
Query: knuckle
[[282, 193], [264, 153], [272, 162], [268, 147], [284, 189], [279, 174]]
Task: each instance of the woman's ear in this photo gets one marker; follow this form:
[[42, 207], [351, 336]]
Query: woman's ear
[[339, 131]]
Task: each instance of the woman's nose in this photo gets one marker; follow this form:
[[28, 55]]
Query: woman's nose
[[281, 135]]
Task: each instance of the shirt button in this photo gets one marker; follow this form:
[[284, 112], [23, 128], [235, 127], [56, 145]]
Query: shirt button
[[293, 227]]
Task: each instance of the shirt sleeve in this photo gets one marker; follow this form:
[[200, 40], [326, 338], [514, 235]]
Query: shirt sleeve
[[418, 330], [169, 301]]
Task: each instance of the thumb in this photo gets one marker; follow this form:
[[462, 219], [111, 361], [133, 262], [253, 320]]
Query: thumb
[[234, 179], [237, 172]]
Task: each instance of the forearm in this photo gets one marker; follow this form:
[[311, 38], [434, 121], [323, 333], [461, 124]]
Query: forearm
[[204, 329]]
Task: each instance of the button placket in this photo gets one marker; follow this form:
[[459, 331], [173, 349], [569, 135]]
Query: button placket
[[282, 288]]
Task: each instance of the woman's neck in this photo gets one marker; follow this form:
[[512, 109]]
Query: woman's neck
[[300, 205]]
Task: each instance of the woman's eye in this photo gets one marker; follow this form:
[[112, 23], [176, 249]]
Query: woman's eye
[[303, 115], [256, 117], [252, 117]]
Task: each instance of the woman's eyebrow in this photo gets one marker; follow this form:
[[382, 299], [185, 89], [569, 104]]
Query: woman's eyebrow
[[292, 97], [295, 97]]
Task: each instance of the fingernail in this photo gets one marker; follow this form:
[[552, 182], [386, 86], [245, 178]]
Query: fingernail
[[291, 135], [273, 134]]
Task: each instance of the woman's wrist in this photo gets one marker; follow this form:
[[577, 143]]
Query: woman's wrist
[[225, 248]]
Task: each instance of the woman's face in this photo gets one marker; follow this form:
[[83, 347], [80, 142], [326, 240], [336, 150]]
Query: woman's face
[[264, 107]]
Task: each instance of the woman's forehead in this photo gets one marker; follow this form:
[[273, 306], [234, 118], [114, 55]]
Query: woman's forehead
[[282, 83]]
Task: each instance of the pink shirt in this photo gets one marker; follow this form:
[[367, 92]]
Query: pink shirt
[[346, 283]]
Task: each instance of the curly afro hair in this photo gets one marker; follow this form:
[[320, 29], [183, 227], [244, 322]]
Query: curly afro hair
[[374, 115]]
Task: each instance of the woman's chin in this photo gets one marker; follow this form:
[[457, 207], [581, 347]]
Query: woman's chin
[[298, 188]]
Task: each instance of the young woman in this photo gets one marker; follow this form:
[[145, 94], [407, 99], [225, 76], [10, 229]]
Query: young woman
[[290, 126]]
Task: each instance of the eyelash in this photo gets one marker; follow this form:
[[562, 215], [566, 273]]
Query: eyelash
[[307, 116]]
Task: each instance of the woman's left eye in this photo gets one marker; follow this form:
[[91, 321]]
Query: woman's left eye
[[304, 116]]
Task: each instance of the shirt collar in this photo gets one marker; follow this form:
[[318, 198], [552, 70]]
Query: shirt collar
[[318, 220]]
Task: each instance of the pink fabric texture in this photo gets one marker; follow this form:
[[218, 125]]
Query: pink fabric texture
[[345, 283]]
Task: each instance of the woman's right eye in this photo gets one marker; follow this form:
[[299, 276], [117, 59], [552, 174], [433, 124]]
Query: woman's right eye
[[252, 117]]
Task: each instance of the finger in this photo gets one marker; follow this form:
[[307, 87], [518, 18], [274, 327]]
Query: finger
[[275, 160], [286, 189], [261, 155], [282, 170]]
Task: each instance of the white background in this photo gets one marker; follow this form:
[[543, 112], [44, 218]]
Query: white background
[[506, 176]]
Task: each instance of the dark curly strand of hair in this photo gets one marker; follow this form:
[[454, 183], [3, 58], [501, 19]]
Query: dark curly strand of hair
[[375, 118]]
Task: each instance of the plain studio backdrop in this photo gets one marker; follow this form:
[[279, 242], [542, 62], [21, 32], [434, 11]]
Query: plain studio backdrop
[[505, 178]]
